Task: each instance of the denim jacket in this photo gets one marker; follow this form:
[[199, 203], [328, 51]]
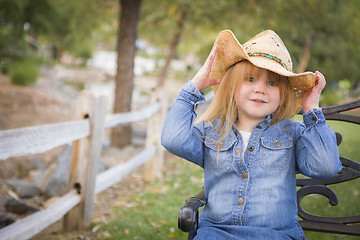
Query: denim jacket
[[251, 190]]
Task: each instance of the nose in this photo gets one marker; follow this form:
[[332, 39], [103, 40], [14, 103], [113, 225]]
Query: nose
[[259, 87], [261, 83]]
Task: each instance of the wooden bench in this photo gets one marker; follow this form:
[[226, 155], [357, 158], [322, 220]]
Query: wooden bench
[[348, 225]]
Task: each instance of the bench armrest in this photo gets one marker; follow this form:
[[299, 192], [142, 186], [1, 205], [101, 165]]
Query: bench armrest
[[189, 212]]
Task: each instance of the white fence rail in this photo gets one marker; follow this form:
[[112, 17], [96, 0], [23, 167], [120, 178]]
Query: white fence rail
[[37, 139]]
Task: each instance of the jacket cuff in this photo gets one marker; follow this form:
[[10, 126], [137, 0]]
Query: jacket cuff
[[313, 117], [192, 93]]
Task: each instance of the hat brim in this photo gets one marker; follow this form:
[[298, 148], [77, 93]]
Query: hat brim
[[230, 52]]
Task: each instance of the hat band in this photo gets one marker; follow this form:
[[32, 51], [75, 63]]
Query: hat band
[[275, 58]]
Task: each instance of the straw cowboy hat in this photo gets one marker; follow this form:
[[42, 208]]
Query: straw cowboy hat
[[265, 50]]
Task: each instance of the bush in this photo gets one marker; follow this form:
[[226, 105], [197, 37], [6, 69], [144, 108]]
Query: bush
[[23, 71], [329, 97], [336, 93]]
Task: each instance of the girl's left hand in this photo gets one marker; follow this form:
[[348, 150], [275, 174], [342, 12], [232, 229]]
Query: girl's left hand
[[311, 99]]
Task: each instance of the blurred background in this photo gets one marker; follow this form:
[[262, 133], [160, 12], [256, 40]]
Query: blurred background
[[51, 50], [320, 35]]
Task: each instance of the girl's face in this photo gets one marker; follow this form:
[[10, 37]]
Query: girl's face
[[258, 96]]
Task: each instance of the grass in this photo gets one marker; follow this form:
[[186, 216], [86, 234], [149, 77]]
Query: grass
[[153, 214]]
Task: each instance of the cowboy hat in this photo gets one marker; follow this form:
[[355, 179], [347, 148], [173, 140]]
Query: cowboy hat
[[266, 50]]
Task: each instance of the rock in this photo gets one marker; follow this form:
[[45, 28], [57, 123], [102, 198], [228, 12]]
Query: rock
[[3, 188], [3, 202], [57, 183], [16, 167], [45, 177], [25, 166], [9, 168], [19, 206], [6, 219], [23, 188], [36, 174]]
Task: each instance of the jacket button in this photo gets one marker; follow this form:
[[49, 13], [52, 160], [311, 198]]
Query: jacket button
[[314, 119], [244, 175], [236, 133], [241, 201], [238, 150], [251, 148], [258, 127]]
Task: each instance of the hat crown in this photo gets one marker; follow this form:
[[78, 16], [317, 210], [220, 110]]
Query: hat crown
[[269, 43]]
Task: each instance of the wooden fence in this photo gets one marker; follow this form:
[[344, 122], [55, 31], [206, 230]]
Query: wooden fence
[[76, 206]]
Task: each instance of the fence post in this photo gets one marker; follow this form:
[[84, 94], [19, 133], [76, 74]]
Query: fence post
[[79, 147], [85, 158], [154, 166], [73, 219], [97, 122]]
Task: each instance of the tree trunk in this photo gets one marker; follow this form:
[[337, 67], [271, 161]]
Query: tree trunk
[[306, 56], [127, 33], [173, 45]]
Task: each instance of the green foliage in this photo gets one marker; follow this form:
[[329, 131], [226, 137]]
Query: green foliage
[[336, 93], [329, 97], [206, 90], [67, 25], [23, 71]]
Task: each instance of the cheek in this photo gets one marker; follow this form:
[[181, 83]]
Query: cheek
[[238, 95], [242, 92], [276, 97]]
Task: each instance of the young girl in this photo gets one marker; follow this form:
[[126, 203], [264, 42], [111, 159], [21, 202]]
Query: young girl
[[248, 147]]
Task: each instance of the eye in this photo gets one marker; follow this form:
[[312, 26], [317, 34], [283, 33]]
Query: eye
[[272, 83], [250, 79]]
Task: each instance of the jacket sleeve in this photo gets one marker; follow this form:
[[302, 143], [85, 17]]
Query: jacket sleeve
[[317, 154], [179, 135]]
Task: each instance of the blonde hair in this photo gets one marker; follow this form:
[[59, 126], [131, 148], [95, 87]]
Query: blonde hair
[[223, 106]]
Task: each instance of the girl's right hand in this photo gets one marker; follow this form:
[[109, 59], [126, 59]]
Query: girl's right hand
[[202, 79]]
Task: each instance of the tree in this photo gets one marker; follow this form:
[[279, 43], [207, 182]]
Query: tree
[[172, 20], [67, 25], [173, 44], [75, 24], [127, 34], [19, 18]]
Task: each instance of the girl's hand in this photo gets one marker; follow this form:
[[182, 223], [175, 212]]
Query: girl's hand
[[311, 99], [202, 79]]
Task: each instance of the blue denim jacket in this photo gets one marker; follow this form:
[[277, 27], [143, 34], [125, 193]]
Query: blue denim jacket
[[251, 190]]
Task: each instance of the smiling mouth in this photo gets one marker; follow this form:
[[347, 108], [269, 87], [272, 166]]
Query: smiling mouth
[[258, 101]]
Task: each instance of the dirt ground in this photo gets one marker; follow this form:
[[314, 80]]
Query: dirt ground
[[27, 106]]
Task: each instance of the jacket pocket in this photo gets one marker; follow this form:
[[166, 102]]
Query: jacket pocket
[[218, 161], [275, 153]]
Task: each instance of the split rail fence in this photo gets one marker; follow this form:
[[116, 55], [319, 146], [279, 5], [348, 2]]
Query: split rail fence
[[86, 136]]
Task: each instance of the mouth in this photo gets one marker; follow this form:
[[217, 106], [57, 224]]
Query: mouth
[[257, 100]]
